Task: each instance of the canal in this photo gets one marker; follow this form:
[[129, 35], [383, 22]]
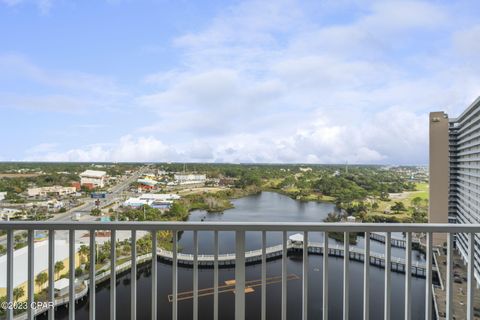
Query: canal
[[264, 207]]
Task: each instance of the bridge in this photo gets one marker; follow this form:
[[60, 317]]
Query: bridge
[[395, 242], [275, 252]]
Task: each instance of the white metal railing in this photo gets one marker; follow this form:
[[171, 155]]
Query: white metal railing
[[240, 259]]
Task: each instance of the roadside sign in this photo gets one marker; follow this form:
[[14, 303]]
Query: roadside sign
[[98, 195]]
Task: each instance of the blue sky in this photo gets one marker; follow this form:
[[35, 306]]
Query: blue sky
[[232, 81]]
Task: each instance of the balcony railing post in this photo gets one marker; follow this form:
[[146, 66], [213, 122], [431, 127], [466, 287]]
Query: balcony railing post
[[346, 273], [215, 277], [10, 272], [71, 275], [240, 275], [174, 276], [388, 289], [366, 278], [471, 277], [284, 276], [449, 288], [133, 282], [325, 275], [31, 276], [428, 284], [51, 271], [113, 274], [92, 275], [195, 275], [154, 275], [408, 276], [305, 276], [264, 276]]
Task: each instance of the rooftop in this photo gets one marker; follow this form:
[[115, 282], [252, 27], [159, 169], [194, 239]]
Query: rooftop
[[20, 261], [93, 173]]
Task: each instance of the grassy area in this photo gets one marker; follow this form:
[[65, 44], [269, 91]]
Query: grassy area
[[203, 190], [406, 198], [422, 190], [295, 192]]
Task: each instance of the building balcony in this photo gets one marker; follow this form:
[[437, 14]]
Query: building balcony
[[303, 292]]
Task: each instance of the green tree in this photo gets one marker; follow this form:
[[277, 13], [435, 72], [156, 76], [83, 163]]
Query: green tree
[[84, 250], [18, 293], [59, 266], [78, 272], [398, 207], [41, 279]]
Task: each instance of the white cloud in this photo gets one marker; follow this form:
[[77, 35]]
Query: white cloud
[[316, 141], [319, 96], [127, 148], [282, 81]]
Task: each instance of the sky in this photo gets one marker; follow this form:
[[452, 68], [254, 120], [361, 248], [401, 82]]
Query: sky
[[284, 81]]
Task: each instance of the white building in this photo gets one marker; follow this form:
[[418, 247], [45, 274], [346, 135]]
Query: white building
[[159, 196], [153, 200], [2, 196], [93, 177], [55, 190], [190, 179], [61, 287]]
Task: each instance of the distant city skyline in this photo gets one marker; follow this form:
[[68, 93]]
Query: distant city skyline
[[232, 81]]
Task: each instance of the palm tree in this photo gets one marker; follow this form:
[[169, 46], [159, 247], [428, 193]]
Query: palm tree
[[41, 278], [84, 252], [18, 293], [59, 266]]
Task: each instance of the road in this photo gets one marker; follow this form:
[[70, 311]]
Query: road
[[111, 197], [88, 205]]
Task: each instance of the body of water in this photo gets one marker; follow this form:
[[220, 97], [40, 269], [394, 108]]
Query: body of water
[[264, 207]]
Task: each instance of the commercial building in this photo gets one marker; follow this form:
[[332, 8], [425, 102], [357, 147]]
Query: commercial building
[[93, 178], [54, 190], [190, 179], [147, 183], [455, 173], [154, 200]]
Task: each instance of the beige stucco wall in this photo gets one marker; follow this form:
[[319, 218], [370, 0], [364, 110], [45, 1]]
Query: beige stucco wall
[[3, 291], [439, 171]]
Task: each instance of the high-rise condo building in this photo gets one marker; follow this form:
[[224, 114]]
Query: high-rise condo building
[[454, 161]]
